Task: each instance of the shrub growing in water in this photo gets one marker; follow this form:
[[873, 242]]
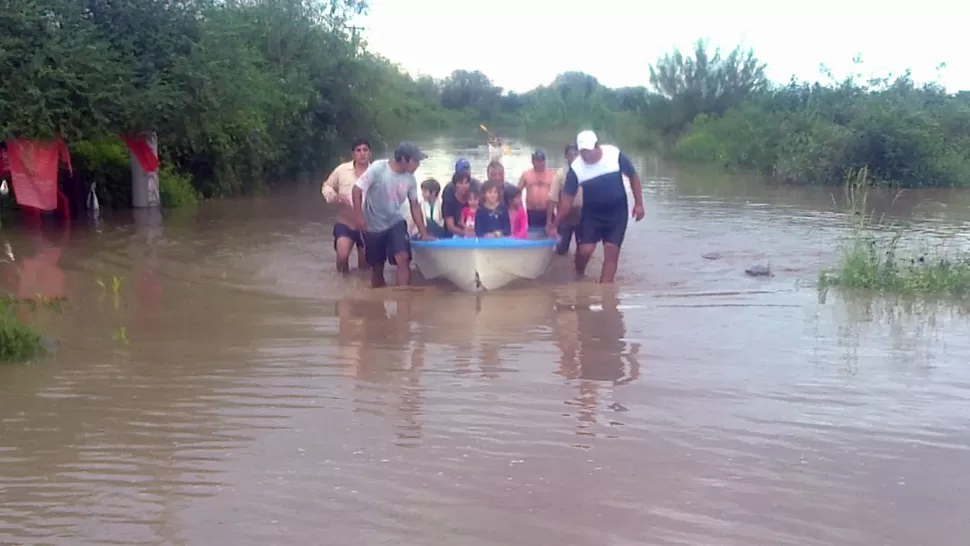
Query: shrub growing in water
[[18, 341], [176, 189]]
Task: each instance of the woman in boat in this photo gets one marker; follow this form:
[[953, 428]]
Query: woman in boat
[[454, 201]]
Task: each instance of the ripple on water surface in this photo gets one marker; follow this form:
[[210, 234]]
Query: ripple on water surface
[[258, 398]]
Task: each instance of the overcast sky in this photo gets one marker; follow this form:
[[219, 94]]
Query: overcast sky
[[520, 44]]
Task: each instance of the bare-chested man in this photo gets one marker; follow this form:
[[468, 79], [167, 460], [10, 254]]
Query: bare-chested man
[[337, 189], [537, 182]]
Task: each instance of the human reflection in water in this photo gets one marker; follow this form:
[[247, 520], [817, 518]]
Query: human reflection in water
[[375, 337], [591, 341]]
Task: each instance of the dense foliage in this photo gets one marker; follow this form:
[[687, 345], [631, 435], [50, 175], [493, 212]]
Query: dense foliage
[[246, 92]]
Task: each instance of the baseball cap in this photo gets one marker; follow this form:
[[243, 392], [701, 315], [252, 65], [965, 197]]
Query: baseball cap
[[409, 149], [586, 140], [539, 155], [462, 164]]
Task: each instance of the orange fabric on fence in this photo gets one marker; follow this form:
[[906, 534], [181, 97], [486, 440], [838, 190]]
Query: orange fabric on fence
[[33, 171], [146, 157]]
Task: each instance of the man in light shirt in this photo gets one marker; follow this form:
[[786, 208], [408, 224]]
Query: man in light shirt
[[337, 189], [567, 227]]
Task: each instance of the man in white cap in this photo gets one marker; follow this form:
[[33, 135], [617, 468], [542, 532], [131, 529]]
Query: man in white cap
[[599, 169]]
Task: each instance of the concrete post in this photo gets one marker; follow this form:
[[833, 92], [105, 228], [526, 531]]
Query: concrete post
[[144, 186]]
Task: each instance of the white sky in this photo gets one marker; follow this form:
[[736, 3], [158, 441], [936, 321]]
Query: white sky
[[520, 44]]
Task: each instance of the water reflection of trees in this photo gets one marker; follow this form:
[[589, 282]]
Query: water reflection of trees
[[591, 336]]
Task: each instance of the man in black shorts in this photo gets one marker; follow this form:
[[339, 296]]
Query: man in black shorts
[[387, 184], [599, 169]]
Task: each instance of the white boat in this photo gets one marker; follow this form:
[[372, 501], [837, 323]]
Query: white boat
[[474, 264]]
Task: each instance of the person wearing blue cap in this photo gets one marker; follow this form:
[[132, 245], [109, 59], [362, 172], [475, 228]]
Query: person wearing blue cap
[[387, 184], [455, 196], [599, 170]]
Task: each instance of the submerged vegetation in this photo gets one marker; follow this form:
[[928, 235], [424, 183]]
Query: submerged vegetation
[[871, 260]]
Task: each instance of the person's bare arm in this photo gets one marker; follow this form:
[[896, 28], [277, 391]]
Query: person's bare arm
[[330, 189], [628, 170], [455, 230], [521, 182], [358, 199], [418, 216]]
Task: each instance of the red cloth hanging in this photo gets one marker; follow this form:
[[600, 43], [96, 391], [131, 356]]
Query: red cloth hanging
[[33, 171], [146, 157]]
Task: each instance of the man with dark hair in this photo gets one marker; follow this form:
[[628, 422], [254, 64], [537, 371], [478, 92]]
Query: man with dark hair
[[599, 170], [386, 185], [537, 182], [337, 189], [567, 226]]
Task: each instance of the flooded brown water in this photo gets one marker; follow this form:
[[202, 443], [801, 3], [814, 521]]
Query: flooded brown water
[[234, 390]]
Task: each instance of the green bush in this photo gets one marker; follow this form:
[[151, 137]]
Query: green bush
[[18, 341], [176, 189], [107, 163]]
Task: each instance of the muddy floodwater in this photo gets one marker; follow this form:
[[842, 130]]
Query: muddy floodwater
[[217, 383]]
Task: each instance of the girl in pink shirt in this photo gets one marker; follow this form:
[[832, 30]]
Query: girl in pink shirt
[[468, 213], [517, 213]]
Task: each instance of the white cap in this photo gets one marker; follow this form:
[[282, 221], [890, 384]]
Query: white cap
[[586, 140]]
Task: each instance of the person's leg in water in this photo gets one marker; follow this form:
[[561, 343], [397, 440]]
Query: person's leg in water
[[361, 257], [613, 233], [399, 252], [566, 232], [587, 235], [344, 240], [376, 252]]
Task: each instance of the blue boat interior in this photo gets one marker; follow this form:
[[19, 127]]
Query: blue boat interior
[[498, 243]]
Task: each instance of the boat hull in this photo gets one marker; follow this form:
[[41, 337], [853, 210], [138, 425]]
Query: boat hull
[[482, 264]]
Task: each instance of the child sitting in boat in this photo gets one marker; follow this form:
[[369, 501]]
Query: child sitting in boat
[[517, 215], [492, 218], [468, 214], [431, 206]]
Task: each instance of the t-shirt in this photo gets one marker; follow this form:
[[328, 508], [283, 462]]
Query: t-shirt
[[384, 193], [602, 182], [520, 223], [451, 207], [492, 220]]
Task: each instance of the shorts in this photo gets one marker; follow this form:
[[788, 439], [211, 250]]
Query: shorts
[[599, 227], [343, 230], [383, 245], [537, 218]]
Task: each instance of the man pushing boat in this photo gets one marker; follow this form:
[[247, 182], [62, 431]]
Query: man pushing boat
[[599, 170], [377, 197]]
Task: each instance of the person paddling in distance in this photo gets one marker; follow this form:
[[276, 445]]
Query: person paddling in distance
[[378, 196], [567, 226], [537, 182], [337, 189], [599, 171]]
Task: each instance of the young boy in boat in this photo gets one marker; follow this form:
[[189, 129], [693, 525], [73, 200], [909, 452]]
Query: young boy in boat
[[431, 207], [517, 215], [492, 218], [468, 214]]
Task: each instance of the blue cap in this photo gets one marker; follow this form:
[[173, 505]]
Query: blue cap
[[462, 164]]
